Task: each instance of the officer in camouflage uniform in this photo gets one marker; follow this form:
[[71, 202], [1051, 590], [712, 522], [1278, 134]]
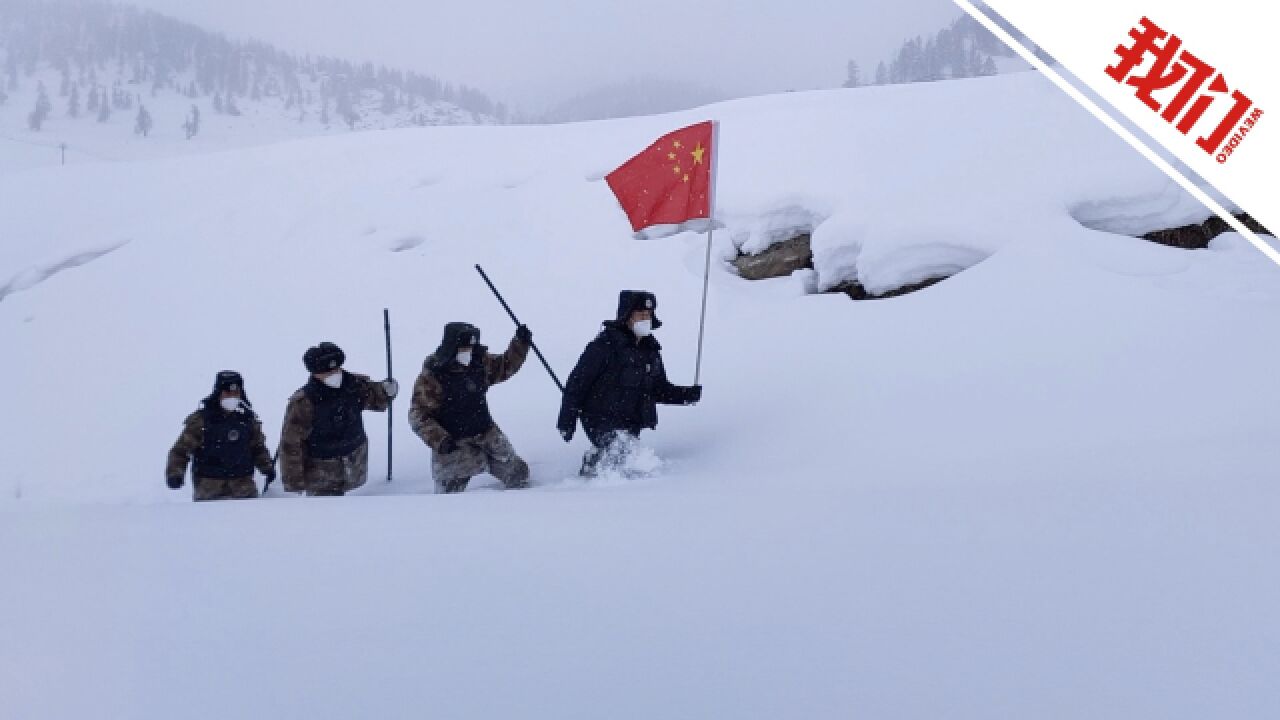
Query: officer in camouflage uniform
[[323, 447], [618, 383], [225, 439], [450, 411]]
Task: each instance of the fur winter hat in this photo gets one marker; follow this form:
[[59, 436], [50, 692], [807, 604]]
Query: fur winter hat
[[457, 335], [630, 301], [224, 381], [228, 380], [323, 357]]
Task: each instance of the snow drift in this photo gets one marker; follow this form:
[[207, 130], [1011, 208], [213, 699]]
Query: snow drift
[[1042, 488]]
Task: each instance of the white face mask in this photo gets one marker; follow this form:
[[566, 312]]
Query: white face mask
[[642, 328], [464, 357], [334, 381], [230, 404]]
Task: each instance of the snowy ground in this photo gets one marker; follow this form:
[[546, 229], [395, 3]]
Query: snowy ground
[[1042, 488]]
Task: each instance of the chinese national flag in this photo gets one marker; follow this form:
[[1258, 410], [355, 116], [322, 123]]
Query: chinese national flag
[[670, 181]]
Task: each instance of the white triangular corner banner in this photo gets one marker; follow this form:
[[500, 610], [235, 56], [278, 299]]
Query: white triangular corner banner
[[1190, 75]]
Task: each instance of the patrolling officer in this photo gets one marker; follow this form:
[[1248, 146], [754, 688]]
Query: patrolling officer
[[323, 448], [618, 383], [450, 410], [225, 439]]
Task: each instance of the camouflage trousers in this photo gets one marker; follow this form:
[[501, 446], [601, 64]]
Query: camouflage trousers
[[337, 476], [490, 452], [224, 488]]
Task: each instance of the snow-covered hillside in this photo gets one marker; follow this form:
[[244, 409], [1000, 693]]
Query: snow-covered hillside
[[261, 122], [75, 77], [256, 122], [1044, 487]]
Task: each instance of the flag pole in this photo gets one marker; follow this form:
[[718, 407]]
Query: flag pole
[[702, 321], [711, 226]]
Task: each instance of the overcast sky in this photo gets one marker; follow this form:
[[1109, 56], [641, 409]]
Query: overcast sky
[[534, 54]]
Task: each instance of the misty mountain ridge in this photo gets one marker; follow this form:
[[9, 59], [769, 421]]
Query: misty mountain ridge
[[118, 82], [633, 98], [964, 48]]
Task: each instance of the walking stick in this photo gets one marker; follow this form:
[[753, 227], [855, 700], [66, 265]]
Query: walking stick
[[516, 320], [267, 484], [386, 328]]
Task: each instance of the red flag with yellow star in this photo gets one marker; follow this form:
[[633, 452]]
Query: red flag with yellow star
[[670, 182]]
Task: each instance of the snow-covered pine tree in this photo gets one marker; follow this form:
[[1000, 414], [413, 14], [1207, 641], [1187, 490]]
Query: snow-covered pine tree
[[853, 75], [345, 109], [932, 62], [192, 124], [142, 125], [40, 113], [975, 62]]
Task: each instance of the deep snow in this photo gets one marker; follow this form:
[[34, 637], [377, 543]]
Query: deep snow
[[1041, 488]]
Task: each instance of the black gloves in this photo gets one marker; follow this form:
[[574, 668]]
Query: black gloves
[[524, 334], [174, 482], [567, 423], [447, 445], [693, 395]]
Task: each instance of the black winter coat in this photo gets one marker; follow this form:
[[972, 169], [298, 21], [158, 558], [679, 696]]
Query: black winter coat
[[619, 381], [337, 422], [227, 446]]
